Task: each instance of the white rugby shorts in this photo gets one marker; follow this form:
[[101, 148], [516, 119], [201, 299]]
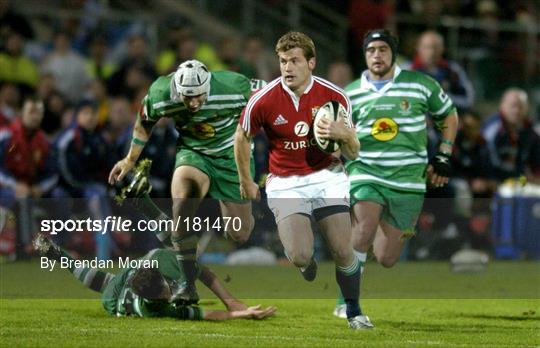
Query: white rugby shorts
[[302, 194]]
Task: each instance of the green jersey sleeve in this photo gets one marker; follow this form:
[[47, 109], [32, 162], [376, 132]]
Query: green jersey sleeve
[[147, 114], [244, 86], [355, 108], [439, 103], [157, 103]]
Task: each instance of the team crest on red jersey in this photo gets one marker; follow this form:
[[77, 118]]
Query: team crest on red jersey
[[314, 111]]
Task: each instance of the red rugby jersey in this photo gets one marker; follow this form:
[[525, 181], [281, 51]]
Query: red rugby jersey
[[288, 124]]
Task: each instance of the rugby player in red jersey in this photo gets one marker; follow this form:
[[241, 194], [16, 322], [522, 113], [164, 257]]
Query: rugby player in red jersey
[[304, 181]]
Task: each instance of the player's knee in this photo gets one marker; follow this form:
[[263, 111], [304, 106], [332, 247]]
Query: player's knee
[[360, 242], [300, 258], [242, 234], [187, 188], [387, 261], [343, 257], [239, 237], [187, 191]]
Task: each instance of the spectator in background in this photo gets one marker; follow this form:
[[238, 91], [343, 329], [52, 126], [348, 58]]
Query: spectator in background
[[471, 160], [186, 49], [229, 53], [11, 21], [118, 129], [360, 24], [472, 181], [177, 30], [97, 66], [487, 13], [340, 73], [55, 107], [46, 86], [26, 167], [9, 102], [82, 159], [67, 67], [514, 146], [255, 55], [136, 71], [182, 45], [15, 67], [97, 92], [450, 75]]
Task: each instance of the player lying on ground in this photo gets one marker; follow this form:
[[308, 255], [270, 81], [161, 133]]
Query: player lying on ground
[[151, 292]]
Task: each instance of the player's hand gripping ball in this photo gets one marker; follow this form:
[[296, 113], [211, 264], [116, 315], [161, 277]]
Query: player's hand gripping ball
[[333, 111]]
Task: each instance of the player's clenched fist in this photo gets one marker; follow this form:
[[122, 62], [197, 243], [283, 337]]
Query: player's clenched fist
[[250, 190], [336, 130], [120, 169]]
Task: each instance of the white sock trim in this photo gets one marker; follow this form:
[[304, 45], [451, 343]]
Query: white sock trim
[[362, 257]]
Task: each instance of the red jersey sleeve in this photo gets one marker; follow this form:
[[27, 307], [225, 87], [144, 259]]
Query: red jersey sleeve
[[252, 116]]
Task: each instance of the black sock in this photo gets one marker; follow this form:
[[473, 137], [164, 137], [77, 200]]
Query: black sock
[[348, 279], [152, 212]]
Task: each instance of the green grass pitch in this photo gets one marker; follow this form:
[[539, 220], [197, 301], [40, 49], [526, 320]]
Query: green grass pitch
[[412, 305]]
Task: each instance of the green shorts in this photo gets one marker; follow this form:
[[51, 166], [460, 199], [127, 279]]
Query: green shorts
[[224, 183], [400, 208]]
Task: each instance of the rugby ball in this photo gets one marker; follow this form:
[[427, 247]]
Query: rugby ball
[[334, 111]]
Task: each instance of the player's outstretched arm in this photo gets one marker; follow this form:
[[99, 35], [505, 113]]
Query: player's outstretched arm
[[212, 282], [242, 155], [141, 134], [255, 312]]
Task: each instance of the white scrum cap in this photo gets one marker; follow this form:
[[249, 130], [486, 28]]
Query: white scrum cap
[[192, 78]]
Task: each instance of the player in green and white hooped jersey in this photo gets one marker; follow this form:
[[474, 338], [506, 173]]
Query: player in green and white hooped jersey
[[388, 178], [205, 108], [149, 292]]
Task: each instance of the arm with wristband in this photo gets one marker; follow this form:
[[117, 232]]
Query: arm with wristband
[[141, 133], [439, 168]]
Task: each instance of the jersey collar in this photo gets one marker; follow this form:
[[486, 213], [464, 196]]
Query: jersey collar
[[366, 84], [296, 101]]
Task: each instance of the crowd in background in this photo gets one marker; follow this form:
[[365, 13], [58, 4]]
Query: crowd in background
[[68, 102]]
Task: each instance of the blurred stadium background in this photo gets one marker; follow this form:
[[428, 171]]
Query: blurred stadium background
[[107, 52]]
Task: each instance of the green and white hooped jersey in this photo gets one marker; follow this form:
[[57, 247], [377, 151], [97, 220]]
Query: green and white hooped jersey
[[391, 127], [211, 129]]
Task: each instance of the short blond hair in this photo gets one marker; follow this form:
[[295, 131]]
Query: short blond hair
[[296, 39]]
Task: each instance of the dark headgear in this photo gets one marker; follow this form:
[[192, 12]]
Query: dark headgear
[[86, 103], [382, 35]]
